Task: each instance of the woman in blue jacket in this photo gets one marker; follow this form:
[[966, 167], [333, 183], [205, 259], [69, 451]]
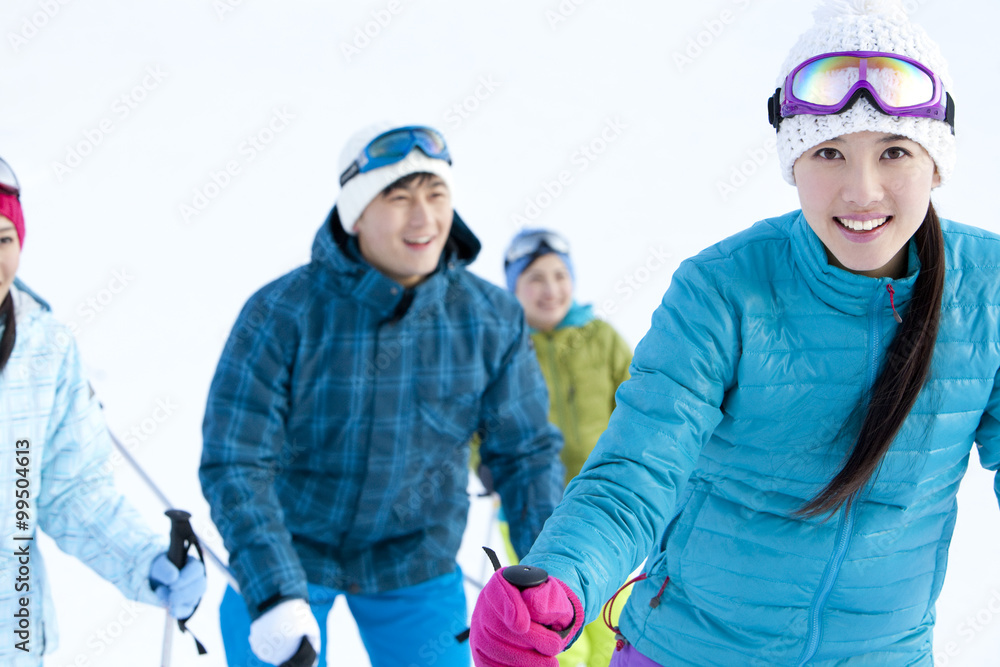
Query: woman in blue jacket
[[53, 471], [789, 447]]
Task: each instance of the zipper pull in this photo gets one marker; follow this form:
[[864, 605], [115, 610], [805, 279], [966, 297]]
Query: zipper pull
[[892, 302]]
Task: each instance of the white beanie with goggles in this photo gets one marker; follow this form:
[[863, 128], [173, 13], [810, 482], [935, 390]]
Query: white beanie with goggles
[[361, 189], [865, 25]]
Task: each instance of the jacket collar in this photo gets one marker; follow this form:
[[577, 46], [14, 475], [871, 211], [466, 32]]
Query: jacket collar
[[360, 281], [838, 288]]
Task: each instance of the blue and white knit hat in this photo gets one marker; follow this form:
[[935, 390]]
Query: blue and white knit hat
[[514, 269], [865, 25]]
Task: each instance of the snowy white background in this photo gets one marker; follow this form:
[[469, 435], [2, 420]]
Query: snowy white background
[[118, 115]]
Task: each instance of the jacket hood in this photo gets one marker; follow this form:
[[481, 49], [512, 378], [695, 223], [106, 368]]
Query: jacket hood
[[26, 301]]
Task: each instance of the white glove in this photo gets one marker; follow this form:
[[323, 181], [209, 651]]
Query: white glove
[[277, 634]]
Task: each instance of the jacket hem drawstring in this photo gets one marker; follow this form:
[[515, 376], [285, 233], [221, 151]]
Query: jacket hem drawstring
[[607, 611]]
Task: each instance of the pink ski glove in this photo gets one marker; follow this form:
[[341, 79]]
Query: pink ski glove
[[515, 628]]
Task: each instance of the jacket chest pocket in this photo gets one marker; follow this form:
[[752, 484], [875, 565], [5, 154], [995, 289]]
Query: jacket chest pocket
[[451, 378], [449, 409]]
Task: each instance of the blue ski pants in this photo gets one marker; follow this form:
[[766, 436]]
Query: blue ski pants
[[408, 627]]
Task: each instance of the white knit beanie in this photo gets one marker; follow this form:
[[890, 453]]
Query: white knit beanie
[[865, 25], [358, 192]]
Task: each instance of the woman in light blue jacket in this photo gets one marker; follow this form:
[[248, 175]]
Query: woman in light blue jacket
[[53, 474], [789, 447]]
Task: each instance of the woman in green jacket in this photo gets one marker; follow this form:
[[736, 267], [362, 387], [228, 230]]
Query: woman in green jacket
[[583, 360]]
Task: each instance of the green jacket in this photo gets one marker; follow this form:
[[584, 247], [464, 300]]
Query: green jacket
[[583, 366]]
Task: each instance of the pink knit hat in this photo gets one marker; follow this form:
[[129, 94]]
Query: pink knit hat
[[10, 208]]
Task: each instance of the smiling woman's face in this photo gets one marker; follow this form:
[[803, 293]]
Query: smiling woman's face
[[865, 194]]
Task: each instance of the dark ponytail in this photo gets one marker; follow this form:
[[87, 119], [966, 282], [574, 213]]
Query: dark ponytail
[[9, 326], [908, 362]]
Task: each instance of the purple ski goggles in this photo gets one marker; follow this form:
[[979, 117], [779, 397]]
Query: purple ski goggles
[[832, 82]]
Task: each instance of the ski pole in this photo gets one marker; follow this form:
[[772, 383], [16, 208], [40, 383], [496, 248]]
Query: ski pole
[[520, 576], [182, 538], [166, 502]]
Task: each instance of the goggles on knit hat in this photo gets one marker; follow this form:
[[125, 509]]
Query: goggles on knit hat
[[875, 95], [392, 146], [529, 245], [10, 204], [381, 154], [8, 181], [531, 241], [832, 82]]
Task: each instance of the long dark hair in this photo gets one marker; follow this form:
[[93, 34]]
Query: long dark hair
[[908, 363], [9, 326]]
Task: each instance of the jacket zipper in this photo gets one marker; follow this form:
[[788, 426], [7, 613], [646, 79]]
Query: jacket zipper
[[846, 528]]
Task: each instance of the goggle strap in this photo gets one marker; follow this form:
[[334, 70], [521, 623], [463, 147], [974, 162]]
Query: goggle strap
[[774, 109], [949, 114], [349, 173], [774, 116]]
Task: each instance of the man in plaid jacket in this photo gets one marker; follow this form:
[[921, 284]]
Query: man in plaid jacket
[[336, 433]]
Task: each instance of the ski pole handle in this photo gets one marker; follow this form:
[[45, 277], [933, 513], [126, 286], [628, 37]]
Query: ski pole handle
[[180, 530], [525, 576], [521, 576], [304, 657]]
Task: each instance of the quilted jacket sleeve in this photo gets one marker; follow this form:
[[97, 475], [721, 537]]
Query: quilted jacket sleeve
[[78, 504], [620, 504]]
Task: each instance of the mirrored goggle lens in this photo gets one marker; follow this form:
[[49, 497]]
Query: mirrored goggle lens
[[531, 243], [897, 83], [399, 143], [8, 181]]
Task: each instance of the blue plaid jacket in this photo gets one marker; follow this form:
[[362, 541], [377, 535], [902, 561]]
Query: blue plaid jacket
[[337, 427]]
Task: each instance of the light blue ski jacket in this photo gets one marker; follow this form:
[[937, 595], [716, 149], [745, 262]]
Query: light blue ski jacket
[[55, 449], [739, 411]]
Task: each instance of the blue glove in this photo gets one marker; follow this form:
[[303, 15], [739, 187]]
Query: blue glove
[[179, 590]]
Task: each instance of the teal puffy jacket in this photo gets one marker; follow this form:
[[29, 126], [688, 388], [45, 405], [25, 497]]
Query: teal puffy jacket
[[739, 410]]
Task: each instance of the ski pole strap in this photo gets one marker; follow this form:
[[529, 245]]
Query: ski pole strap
[[182, 538]]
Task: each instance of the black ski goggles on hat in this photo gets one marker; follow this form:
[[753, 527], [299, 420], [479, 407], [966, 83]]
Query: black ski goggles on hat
[[832, 82], [532, 242], [8, 181], [392, 146]]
